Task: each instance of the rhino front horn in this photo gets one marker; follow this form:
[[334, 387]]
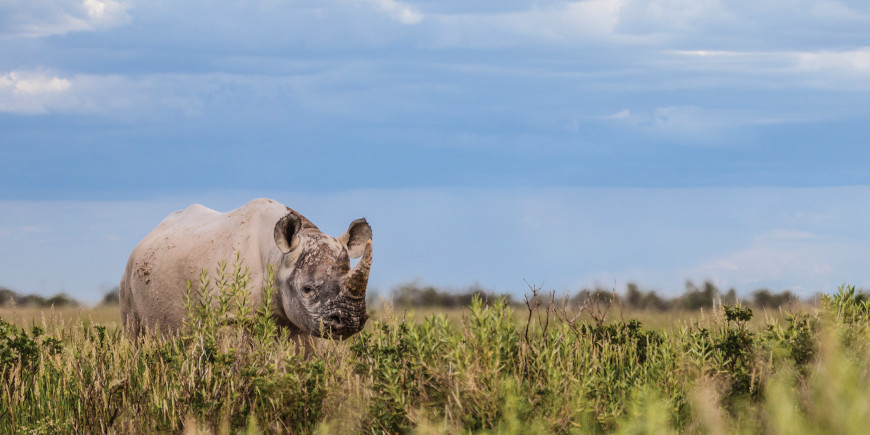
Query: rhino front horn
[[356, 280]]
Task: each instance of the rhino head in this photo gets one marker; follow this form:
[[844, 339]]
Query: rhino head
[[317, 289]]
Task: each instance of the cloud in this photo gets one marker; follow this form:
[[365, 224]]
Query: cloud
[[342, 89], [399, 11], [25, 92], [39, 18], [39, 92], [24, 85]]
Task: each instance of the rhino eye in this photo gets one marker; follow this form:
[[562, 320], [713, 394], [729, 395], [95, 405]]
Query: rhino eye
[[308, 289]]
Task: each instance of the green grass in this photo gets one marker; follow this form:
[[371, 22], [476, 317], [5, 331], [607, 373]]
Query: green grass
[[483, 369]]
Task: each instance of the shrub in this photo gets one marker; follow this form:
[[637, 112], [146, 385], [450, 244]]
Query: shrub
[[113, 297]]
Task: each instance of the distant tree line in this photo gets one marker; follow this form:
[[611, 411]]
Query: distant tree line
[[9, 297], [412, 295], [694, 297]]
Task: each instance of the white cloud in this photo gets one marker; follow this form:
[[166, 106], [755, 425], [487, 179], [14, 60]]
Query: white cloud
[[323, 91], [29, 92], [25, 92], [30, 84], [399, 11], [38, 18]]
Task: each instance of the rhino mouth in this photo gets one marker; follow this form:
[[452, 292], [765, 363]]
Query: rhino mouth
[[340, 325]]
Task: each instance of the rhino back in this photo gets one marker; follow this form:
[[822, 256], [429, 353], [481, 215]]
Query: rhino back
[[188, 242]]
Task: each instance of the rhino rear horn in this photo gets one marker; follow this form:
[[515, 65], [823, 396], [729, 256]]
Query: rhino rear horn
[[285, 232], [356, 280]]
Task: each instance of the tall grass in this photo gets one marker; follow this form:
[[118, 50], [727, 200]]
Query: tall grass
[[555, 369]]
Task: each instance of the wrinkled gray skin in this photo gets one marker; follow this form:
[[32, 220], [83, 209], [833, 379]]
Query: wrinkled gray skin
[[318, 293]]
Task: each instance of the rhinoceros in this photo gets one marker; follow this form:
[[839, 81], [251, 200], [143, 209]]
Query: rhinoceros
[[317, 292]]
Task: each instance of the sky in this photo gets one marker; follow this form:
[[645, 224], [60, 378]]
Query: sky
[[559, 143]]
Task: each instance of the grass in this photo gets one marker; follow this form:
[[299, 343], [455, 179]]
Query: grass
[[482, 369]]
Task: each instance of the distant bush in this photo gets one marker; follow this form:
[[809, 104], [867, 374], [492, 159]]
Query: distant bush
[[636, 298], [60, 300], [696, 298], [6, 296], [765, 298], [113, 297]]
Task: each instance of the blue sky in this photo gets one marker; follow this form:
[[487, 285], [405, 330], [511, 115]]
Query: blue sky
[[565, 143]]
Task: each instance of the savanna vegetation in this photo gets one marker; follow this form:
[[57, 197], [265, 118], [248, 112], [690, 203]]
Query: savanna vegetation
[[543, 365]]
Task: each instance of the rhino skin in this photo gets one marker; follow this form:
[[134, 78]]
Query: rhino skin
[[318, 293]]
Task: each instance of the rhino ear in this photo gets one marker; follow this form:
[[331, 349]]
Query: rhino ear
[[285, 232], [358, 233]]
